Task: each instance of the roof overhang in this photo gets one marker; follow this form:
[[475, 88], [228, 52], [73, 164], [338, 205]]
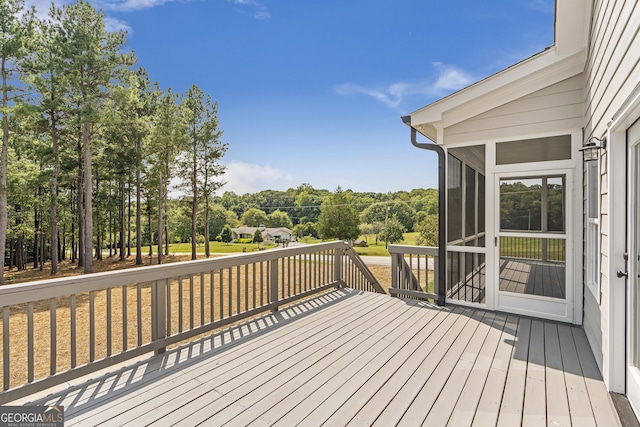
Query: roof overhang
[[565, 59]]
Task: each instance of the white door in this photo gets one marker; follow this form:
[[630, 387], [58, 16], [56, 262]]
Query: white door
[[633, 265], [533, 244]]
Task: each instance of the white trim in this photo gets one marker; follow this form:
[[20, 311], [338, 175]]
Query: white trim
[[491, 282], [633, 169], [592, 229], [467, 249], [549, 308], [528, 76], [554, 308], [614, 373], [633, 379], [592, 256], [535, 234]]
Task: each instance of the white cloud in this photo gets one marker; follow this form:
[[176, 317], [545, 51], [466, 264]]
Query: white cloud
[[448, 79], [43, 6], [258, 10], [245, 178], [130, 5], [114, 24]]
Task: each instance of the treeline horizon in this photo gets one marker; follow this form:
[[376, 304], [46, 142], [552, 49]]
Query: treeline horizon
[[320, 213]]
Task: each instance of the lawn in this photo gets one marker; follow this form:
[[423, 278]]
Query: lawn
[[380, 249], [217, 247]]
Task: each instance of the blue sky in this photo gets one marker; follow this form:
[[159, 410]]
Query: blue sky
[[313, 92]]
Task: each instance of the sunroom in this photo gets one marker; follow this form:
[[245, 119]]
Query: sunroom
[[509, 147]]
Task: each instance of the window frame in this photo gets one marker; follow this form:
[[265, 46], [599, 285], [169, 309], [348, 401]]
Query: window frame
[[592, 214]]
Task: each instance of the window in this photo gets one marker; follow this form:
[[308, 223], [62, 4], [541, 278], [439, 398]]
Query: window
[[534, 150], [593, 229], [465, 196], [454, 199]]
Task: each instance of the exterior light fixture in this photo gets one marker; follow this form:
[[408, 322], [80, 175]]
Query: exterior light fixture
[[591, 149]]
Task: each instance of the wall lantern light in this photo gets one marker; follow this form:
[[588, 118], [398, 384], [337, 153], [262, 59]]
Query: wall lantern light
[[591, 149]]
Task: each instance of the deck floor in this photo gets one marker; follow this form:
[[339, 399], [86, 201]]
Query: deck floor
[[532, 277], [356, 358]]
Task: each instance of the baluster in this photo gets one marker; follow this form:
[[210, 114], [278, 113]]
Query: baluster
[[30, 361], [5, 349], [54, 336]]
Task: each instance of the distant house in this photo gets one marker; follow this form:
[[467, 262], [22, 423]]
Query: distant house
[[542, 184], [268, 234]]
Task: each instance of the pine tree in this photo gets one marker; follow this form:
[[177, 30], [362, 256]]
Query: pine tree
[[15, 29]]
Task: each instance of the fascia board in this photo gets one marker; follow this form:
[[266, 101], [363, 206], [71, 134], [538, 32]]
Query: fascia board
[[516, 89], [515, 82]]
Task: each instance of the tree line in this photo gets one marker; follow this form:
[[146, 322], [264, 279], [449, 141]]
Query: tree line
[[320, 213], [90, 144]]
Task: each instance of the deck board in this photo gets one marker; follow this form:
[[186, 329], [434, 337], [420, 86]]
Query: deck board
[[534, 411], [513, 397], [486, 413], [579, 404], [533, 277], [357, 358], [442, 409], [556, 395], [469, 398]]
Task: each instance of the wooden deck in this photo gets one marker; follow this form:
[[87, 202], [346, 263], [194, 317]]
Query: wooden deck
[[355, 358], [532, 277]]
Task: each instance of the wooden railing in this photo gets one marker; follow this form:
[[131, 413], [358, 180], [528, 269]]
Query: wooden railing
[[60, 329], [414, 271]]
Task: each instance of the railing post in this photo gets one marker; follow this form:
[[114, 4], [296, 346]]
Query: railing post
[[158, 312], [439, 273], [273, 284], [337, 265], [394, 270]]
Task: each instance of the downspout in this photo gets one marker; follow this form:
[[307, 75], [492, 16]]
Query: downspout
[[442, 209]]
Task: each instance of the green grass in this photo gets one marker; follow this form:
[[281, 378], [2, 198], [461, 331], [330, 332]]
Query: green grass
[[217, 247], [310, 240], [380, 249]]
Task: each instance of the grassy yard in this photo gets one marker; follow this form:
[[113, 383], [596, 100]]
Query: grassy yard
[[217, 247], [380, 249]]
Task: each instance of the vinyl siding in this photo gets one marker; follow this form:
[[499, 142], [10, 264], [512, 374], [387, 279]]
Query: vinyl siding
[[613, 62], [612, 72], [555, 108]]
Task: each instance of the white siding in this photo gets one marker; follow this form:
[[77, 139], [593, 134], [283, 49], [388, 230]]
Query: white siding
[[554, 109], [612, 73], [613, 62]]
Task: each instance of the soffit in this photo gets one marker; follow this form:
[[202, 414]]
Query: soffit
[[563, 60]]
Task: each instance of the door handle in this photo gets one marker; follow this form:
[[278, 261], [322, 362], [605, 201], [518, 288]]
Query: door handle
[[622, 274]]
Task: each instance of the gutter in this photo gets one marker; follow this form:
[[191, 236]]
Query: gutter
[[442, 209]]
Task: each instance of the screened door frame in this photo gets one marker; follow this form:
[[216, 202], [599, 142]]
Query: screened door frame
[[573, 168]]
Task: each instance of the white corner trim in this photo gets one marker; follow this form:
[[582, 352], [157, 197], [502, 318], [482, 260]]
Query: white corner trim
[[615, 375]]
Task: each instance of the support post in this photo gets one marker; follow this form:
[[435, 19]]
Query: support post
[[273, 284], [158, 312]]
